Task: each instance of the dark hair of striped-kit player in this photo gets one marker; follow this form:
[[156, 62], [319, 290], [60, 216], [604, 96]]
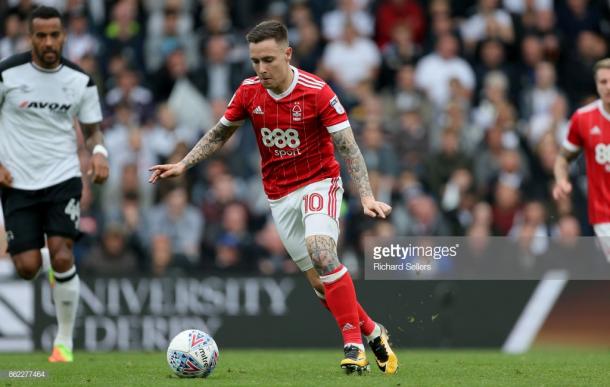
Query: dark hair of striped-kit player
[[44, 12]]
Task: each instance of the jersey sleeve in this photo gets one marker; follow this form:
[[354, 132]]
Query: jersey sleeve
[[90, 111], [573, 140], [236, 112], [332, 113]]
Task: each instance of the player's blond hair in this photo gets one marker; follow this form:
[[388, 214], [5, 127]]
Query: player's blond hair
[[601, 64]]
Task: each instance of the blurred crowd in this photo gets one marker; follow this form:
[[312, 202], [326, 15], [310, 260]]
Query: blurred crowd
[[459, 108]]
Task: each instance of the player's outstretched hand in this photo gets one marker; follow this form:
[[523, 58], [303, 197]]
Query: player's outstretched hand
[[98, 168], [562, 189], [5, 177], [375, 209], [164, 171]]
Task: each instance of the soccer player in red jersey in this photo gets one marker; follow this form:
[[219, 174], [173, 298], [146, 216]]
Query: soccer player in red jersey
[[589, 132], [297, 118]]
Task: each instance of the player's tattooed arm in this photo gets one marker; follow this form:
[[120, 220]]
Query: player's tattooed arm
[[92, 134], [323, 252], [213, 140], [346, 145]]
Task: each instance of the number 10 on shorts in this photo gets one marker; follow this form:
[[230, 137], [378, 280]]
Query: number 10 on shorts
[[314, 202], [323, 197]]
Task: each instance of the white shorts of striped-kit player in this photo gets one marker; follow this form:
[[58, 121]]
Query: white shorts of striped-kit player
[[310, 210], [602, 230]]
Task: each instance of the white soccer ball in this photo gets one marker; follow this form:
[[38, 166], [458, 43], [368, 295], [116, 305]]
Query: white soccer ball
[[192, 354]]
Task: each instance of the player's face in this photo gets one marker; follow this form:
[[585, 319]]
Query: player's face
[[47, 37], [271, 61], [602, 81]]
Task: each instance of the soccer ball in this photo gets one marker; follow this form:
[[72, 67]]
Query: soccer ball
[[192, 354]]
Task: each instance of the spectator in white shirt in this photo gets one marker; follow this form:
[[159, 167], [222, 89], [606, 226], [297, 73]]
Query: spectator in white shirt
[[348, 11], [521, 6], [351, 60], [434, 71], [488, 22]]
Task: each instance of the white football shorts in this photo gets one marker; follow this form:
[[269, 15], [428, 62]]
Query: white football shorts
[[602, 230], [310, 210]]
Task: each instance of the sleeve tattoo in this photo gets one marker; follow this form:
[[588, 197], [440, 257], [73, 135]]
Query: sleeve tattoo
[[213, 140], [346, 144], [92, 134]]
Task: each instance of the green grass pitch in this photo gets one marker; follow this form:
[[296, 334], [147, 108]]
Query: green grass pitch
[[319, 368]]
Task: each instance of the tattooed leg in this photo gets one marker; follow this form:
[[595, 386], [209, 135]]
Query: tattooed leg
[[323, 252]]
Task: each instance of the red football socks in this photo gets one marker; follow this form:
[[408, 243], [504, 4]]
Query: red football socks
[[366, 323], [342, 303]]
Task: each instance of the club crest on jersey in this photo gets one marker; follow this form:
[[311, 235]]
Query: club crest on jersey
[[296, 112], [52, 106], [334, 102]]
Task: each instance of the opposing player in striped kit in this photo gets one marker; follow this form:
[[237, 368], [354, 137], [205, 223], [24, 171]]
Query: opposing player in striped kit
[[297, 118]]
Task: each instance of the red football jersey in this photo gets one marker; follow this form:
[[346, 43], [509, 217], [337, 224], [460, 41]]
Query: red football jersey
[[292, 130], [590, 131]]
